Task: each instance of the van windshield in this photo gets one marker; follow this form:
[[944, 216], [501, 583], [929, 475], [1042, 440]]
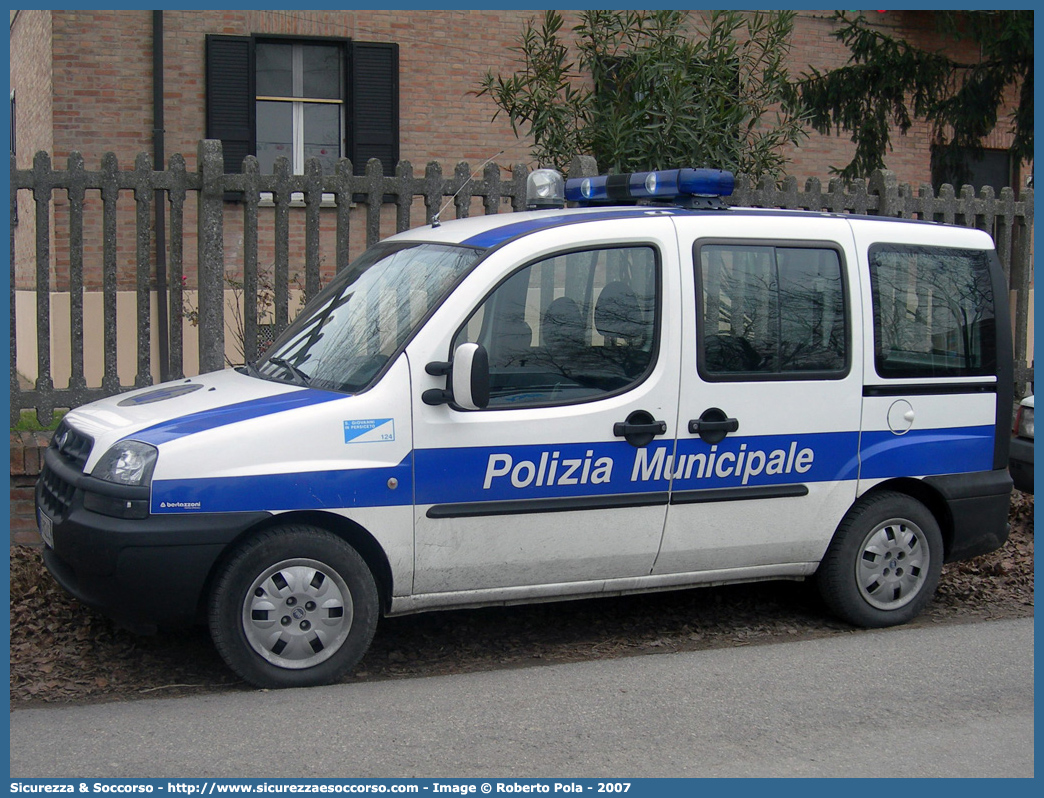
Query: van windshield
[[345, 336]]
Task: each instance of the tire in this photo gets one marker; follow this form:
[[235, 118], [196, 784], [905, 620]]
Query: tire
[[884, 562], [295, 606]]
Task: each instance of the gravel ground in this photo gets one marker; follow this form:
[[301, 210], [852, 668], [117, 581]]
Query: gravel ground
[[62, 652]]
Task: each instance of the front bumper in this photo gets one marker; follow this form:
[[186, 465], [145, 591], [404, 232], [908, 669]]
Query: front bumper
[[1020, 463], [142, 572]]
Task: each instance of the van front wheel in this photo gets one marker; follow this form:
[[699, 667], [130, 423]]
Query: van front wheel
[[295, 606], [884, 562]]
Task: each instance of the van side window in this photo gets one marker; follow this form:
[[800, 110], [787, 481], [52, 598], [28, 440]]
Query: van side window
[[933, 312], [771, 312], [570, 328]]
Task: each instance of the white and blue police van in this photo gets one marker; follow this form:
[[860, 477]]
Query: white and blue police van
[[644, 391]]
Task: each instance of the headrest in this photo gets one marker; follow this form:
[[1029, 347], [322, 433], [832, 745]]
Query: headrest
[[561, 322], [618, 313]]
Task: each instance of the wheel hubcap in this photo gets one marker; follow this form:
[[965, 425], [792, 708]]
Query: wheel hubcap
[[297, 613], [893, 564]]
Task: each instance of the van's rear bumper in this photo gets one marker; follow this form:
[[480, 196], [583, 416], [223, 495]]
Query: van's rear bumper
[[978, 504]]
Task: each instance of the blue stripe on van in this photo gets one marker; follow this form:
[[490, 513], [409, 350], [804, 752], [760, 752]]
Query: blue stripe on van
[[492, 474], [498, 235], [311, 490], [927, 452], [550, 471], [230, 414]]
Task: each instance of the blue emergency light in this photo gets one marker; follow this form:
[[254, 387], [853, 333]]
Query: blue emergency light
[[664, 185]]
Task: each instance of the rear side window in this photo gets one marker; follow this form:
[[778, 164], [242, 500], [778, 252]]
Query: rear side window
[[574, 327], [771, 312], [933, 312]]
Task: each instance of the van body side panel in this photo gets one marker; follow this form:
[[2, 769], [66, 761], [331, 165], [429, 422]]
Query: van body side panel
[[939, 374], [330, 455], [222, 469], [917, 435], [937, 348]]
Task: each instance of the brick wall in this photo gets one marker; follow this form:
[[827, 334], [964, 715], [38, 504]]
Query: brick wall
[[31, 82], [27, 450], [102, 94]]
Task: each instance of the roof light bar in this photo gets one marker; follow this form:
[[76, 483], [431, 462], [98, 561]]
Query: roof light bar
[[544, 189], [667, 184]]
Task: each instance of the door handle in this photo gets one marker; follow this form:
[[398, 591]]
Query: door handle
[[621, 429], [639, 429], [713, 425]]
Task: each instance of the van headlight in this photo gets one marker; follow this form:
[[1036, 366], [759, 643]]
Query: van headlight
[[127, 463]]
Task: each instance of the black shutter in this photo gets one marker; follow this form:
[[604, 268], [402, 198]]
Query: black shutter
[[230, 97], [373, 105]]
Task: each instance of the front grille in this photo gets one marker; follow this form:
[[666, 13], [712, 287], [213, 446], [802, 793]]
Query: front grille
[[73, 446], [56, 494]]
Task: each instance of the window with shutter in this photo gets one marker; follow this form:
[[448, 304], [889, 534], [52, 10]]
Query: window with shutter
[[230, 97], [374, 129], [302, 99]]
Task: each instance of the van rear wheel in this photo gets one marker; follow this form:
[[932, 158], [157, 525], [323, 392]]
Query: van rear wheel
[[884, 562], [295, 606]]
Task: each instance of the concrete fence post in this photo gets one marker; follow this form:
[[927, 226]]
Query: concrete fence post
[[210, 242], [404, 197], [42, 199], [582, 166], [144, 196], [885, 186]]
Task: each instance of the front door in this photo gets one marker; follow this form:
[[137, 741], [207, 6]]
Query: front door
[[538, 489]]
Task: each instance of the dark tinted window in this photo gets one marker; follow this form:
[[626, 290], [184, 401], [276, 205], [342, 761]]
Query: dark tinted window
[[960, 166], [933, 312], [770, 311], [569, 328]]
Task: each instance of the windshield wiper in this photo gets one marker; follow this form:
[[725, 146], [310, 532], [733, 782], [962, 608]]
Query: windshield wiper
[[299, 376]]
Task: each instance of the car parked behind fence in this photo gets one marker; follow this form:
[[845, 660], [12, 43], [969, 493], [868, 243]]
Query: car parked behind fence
[[1020, 463]]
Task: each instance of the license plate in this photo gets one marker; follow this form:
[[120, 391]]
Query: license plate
[[46, 530]]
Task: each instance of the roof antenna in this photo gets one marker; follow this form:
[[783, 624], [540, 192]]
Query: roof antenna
[[435, 219]]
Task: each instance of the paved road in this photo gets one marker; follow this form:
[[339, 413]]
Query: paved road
[[954, 700]]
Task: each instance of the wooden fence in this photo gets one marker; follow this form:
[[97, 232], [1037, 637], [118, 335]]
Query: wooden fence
[[1007, 218]]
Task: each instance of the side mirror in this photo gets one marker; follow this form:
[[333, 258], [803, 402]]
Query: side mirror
[[468, 379]]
